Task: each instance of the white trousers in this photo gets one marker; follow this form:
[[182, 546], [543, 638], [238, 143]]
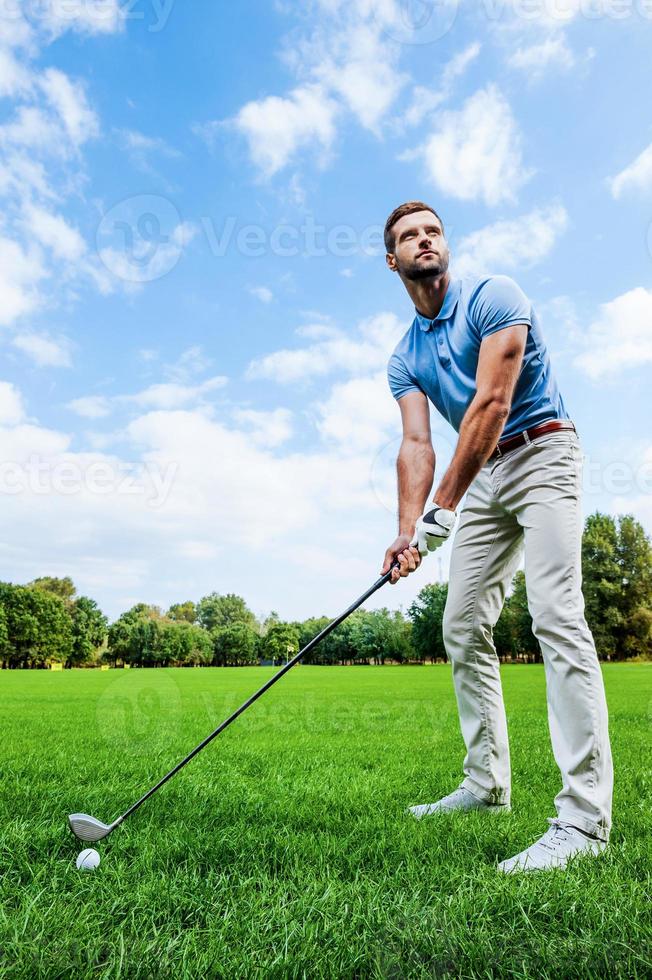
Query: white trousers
[[529, 500]]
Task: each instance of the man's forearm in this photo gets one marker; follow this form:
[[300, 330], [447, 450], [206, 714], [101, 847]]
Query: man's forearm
[[416, 470], [480, 431]]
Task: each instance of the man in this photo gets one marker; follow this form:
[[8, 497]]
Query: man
[[476, 351]]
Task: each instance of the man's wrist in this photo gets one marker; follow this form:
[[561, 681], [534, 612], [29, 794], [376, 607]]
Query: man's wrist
[[444, 501], [446, 505]]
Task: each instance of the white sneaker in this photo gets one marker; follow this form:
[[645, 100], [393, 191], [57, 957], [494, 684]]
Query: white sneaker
[[555, 849], [460, 799]]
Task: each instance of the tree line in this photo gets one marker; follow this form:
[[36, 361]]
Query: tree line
[[45, 622]]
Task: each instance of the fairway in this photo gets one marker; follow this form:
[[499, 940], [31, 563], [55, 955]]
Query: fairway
[[283, 851]]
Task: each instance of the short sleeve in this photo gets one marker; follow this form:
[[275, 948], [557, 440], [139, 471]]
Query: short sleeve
[[498, 303], [399, 379]]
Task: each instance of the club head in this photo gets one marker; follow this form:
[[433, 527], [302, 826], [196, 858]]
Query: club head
[[88, 828]]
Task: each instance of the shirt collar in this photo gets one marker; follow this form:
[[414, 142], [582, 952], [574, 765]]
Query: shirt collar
[[448, 306]]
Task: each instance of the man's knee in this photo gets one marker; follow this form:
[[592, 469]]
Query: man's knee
[[559, 627], [464, 634]]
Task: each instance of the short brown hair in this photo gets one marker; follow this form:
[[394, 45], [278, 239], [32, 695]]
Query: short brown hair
[[410, 207]]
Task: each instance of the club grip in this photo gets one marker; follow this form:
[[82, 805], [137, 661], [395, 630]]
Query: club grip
[[396, 563]]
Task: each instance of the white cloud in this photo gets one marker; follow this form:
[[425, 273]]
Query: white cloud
[[15, 32], [45, 123], [537, 59], [364, 351], [20, 272], [357, 414], [14, 77], [425, 100], [360, 67], [262, 293], [475, 153], [171, 396], [267, 429], [69, 101], [33, 128], [12, 410], [621, 336], [190, 363], [553, 14], [277, 128], [636, 177], [91, 407], [142, 148], [82, 16], [141, 263], [54, 232], [523, 241], [347, 63], [44, 351], [191, 487]]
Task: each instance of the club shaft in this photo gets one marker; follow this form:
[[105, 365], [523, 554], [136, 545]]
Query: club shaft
[[254, 697]]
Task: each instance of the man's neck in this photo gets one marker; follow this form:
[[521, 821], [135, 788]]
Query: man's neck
[[428, 294]]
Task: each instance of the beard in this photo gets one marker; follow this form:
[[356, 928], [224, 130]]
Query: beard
[[432, 269]]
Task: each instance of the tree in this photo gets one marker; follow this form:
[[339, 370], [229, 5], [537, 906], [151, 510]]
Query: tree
[[617, 574], [602, 582], [235, 645], [280, 643], [341, 643], [635, 559], [183, 643], [129, 637], [270, 620], [380, 635], [89, 630], [426, 614], [185, 612], [216, 610], [307, 631], [4, 637], [524, 639], [39, 629], [504, 633], [62, 587]]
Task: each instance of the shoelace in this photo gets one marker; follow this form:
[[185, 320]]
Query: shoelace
[[558, 837]]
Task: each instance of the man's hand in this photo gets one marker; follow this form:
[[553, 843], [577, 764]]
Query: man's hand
[[434, 527], [409, 559]]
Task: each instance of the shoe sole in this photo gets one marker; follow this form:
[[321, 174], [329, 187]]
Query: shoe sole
[[445, 811]]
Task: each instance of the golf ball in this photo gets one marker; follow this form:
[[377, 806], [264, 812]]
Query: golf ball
[[88, 860]]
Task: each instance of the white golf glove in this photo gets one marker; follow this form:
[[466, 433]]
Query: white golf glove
[[433, 528]]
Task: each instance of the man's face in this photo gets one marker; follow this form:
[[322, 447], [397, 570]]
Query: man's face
[[420, 249]]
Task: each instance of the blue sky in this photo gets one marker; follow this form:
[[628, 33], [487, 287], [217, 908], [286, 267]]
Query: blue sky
[[195, 313]]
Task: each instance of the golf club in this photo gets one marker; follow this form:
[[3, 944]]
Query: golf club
[[87, 828]]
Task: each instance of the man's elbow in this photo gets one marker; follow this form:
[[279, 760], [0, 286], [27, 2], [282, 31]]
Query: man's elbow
[[417, 440], [495, 404], [417, 445]]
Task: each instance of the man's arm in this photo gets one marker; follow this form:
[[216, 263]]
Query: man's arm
[[415, 471], [415, 465], [499, 365]]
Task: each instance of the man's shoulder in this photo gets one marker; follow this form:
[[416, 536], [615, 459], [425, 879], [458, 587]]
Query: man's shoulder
[[406, 342], [474, 287]]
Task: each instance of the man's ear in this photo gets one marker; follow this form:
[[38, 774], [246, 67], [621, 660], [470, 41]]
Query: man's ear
[[391, 262]]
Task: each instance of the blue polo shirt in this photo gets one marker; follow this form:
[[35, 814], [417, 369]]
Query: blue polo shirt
[[440, 357]]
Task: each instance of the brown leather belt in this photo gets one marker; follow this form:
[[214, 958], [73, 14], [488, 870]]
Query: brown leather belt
[[525, 437]]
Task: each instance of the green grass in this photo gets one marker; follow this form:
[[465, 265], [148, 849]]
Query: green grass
[[283, 851]]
